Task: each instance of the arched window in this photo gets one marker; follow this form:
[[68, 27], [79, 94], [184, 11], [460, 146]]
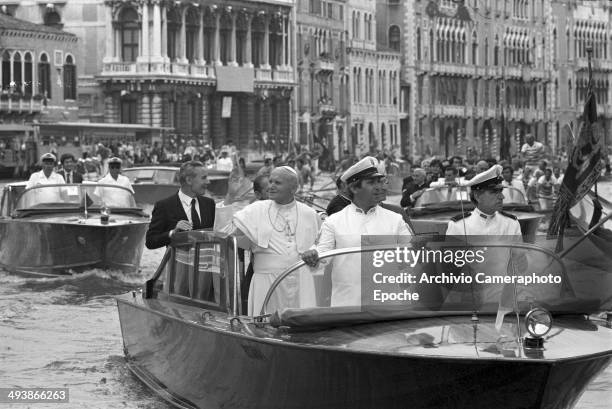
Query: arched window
[[225, 40], [258, 29], [496, 51], [173, 27], [209, 38], [192, 26], [394, 38], [53, 19], [17, 79], [241, 33], [418, 42], [69, 78], [474, 48], [27, 81], [44, 76], [130, 32], [6, 71]]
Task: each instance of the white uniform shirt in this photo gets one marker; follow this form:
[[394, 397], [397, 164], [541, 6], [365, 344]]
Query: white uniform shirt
[[39, 178], [121, 181], [225, 164], [344, 229], [481, 224]]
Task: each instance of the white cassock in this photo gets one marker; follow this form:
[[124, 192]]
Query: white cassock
[[344, 229], [276, 234]]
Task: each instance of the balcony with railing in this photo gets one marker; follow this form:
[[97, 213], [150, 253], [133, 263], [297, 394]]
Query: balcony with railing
[[191, 71], [324, 65], [453, 69], [19, 103], [596, 64], [512, 72]]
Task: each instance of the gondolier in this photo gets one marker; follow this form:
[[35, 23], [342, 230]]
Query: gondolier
[[487, 218]]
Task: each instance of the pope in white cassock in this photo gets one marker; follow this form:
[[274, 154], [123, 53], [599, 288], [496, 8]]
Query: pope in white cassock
[[364, 216], [276, 231]]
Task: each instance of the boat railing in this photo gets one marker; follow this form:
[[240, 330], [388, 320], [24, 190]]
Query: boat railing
[[202, 269], [436, 300]]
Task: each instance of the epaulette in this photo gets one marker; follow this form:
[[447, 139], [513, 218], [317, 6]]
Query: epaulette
[[460, 216], [510, 215]]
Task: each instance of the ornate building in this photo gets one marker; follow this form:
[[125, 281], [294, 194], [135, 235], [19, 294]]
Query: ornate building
[[577, 25], [474, 62], [374, 82], [37, 85], [209, 70], [322, 94]]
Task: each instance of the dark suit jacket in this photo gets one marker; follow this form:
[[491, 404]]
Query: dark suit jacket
[[168, 212], [338, 203], [76, 177], [410, 188]]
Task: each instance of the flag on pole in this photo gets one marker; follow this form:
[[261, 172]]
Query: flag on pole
[[583, 168]]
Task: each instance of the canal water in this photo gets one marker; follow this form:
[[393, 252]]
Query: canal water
[[64, 332]]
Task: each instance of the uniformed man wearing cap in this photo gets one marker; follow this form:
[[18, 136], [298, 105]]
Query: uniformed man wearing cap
[[47, 175], [488, 217], [364, 216], [114, 176]]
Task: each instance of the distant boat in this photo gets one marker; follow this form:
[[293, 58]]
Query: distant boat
[[189, 340], [153, 183], [59, 229]]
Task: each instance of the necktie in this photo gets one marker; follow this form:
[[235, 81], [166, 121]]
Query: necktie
[[195, 219], [69, 177]]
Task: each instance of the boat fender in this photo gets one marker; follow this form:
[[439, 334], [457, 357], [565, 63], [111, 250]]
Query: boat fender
[[510, 215], [460, 216]]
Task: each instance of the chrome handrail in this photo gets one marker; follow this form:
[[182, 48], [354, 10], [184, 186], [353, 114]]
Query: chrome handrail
[[352, 250]]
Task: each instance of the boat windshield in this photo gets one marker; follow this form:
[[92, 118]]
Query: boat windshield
[[456, 197], [428, 278], [147, 175], [74, 196]]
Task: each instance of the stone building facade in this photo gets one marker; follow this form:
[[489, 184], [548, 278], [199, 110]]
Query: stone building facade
[[323, 92], [374, 82]]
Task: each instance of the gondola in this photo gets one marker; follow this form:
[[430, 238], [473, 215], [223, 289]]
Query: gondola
[[187, 337]]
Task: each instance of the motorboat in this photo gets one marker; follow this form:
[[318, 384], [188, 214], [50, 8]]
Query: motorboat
[[59, 229], [154, 183], [437, 205], [187, 336]]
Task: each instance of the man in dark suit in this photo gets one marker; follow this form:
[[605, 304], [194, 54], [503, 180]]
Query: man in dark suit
[[68, 172], [186, 210], [176, 213], [415, 188]]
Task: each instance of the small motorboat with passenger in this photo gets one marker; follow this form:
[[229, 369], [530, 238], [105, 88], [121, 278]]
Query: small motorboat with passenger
[[435, 207], [56, 229], [187, 337], [154, 183]]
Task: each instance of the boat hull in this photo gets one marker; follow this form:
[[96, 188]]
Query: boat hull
[[210, 368], [53, 247]]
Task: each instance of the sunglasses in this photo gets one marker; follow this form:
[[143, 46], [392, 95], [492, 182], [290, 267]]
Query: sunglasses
[[114, 166]]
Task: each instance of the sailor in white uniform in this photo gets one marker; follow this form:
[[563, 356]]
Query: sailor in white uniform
[[487, 219], [47, 175], [114, 176], [364, 216]]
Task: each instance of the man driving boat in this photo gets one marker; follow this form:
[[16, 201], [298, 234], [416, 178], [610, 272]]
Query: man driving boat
[[364, 216], [46, 176]]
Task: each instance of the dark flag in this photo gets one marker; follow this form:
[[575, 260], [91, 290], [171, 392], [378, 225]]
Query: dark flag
[[504, 146], [583, 169]]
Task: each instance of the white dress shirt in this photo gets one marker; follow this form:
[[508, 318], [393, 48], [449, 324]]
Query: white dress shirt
[[186, 202], [39, 178]]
